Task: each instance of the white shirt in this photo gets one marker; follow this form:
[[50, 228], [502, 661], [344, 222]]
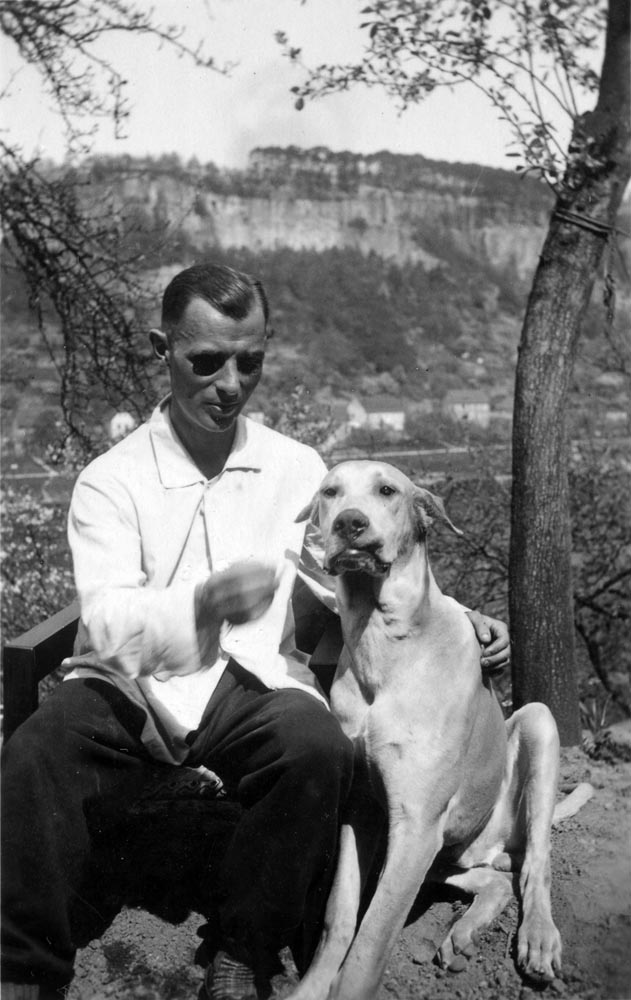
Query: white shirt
[[145, 527]]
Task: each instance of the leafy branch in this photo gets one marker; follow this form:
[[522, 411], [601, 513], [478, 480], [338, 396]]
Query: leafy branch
[[522, 56]]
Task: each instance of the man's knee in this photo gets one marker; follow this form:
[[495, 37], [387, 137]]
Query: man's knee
[[29, 746], [83, 727], [81, 711], [314, 741]]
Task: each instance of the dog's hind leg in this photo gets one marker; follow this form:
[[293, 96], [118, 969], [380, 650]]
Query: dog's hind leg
[[517, 837], [492, 891]]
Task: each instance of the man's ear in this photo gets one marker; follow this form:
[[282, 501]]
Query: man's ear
[[311, 512], [428, 508], [160, 344]]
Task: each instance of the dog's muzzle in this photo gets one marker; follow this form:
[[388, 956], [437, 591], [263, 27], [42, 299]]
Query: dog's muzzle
[[355, 554], [352, 560], [350, 524]]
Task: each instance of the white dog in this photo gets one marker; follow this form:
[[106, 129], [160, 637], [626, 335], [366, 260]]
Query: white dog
[[466, 795]]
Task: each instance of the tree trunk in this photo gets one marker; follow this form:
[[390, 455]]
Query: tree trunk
[[540, 601]]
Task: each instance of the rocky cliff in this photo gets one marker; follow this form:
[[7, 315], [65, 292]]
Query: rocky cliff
[[401, 208]]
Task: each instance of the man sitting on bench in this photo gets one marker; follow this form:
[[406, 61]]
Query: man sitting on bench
[[186, 551]]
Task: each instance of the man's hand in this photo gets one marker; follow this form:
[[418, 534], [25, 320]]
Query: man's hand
[[492, 634], [238, 594]]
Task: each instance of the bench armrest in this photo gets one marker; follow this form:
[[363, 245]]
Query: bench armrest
[[31, 657]]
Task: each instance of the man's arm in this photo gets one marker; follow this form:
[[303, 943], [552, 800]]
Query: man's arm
[[132, 628], [236, 595]]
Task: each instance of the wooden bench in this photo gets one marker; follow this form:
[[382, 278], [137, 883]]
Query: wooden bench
[[163, 852], [29, 659]]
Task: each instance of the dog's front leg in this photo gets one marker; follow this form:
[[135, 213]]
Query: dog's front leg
[[339, 922], [412, 846], [359, 839]]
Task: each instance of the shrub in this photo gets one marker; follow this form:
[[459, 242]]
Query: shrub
[[36, 571]]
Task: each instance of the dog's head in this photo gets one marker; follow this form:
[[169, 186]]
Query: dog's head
[[370, 515]]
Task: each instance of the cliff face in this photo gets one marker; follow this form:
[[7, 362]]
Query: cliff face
[[392, 224], [285, 201]]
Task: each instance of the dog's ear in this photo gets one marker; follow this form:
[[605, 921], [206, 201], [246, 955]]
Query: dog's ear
[[430, 508], [310, 512]]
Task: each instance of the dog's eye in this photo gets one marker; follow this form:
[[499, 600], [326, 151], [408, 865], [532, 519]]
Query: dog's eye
[[387, 491], [329, 491]]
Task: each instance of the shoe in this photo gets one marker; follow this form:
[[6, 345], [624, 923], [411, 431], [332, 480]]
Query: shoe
[[228, 979]]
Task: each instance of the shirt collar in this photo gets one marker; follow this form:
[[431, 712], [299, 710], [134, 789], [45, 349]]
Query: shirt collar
[[176, 468]]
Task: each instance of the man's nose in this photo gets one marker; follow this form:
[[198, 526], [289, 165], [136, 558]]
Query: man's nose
[[228, 378], [350, 524]]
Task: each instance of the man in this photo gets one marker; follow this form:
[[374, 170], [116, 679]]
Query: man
[[186, 551]]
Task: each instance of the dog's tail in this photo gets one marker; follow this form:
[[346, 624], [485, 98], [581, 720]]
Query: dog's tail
[[571, 804]]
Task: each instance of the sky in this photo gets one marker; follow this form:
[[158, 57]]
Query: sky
[[194, 112]]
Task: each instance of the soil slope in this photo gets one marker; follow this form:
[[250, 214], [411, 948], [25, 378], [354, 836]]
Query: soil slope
[[144, 958]]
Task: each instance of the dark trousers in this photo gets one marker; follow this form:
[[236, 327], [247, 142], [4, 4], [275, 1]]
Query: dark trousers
[[281, 754]]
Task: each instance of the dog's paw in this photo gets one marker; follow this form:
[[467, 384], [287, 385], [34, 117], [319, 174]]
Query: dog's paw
[[457, 949], [539, 949], [504, 862]]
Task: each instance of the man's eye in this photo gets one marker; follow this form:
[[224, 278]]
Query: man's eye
[[207, 364], [249, 365], [387, 491]]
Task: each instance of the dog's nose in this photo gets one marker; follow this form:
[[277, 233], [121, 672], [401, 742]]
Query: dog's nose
[[350, 523]]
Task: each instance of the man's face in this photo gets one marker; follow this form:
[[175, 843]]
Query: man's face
[[215, 364]]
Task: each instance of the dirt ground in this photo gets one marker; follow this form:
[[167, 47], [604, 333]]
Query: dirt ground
[[145, 958]]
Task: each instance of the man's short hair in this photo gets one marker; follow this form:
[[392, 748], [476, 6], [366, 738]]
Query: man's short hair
[[229, 292]]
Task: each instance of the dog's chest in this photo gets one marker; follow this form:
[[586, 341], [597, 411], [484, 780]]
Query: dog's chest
[[381, 700]]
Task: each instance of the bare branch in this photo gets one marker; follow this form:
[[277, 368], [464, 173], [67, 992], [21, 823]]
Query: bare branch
[[58, 38]]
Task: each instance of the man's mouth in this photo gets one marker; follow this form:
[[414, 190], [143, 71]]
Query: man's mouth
[[356, 561], [219, 410]]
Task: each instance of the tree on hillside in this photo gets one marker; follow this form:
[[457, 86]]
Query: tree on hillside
[[80, 269], [528, 58]]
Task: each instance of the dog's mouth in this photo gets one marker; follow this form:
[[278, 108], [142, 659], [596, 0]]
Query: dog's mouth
[[356, 561]]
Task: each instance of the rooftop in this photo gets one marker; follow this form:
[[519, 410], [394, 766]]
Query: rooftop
[[466, 396], [382, 404]]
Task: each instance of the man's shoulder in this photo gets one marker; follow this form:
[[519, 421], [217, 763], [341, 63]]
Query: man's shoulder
[[128, 454]]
